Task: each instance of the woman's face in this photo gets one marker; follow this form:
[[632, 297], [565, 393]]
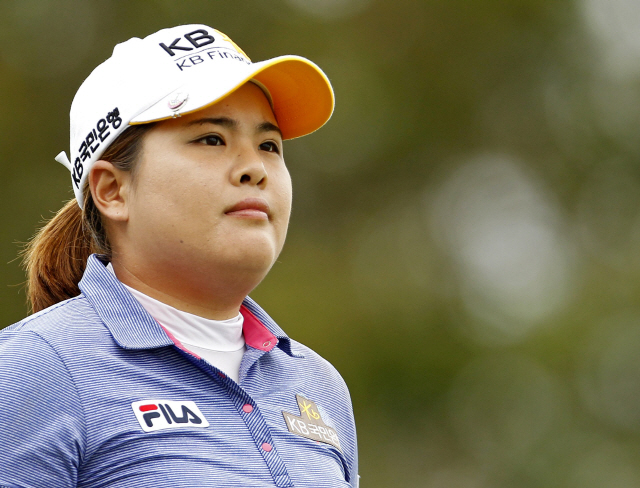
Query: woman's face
[[212, 192]]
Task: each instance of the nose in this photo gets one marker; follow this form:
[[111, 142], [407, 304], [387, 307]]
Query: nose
[[249, 170]]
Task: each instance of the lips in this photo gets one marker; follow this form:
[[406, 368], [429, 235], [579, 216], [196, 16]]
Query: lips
[[250, 208]]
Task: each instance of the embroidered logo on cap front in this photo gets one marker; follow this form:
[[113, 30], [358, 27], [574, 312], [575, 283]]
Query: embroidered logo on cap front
[[310, 423], [165, 414]]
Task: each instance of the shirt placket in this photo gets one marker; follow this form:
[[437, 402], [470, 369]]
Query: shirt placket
[[249, 411]]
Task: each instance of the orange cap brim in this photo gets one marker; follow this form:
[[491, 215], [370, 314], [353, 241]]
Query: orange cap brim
[[302, 95]]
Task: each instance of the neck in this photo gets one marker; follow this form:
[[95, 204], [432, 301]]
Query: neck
[[211, 299]]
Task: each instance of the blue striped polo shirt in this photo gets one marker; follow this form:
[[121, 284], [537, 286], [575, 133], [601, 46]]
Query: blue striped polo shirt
[[94, 393]]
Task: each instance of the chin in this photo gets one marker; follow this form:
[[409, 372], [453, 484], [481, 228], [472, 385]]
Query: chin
[[249, 257]]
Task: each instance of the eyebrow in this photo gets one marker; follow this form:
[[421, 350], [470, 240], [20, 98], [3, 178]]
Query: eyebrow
[[269, 127], [233, 124]]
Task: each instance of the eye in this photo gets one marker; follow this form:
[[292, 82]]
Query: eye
[[211, 140], [270, 146]]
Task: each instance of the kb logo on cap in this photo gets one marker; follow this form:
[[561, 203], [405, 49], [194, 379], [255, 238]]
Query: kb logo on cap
[[198, 38]]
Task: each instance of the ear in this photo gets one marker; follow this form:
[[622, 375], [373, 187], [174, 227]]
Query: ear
[[110, 190]]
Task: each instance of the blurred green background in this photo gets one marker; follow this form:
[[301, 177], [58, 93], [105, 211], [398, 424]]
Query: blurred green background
[[465, 240]]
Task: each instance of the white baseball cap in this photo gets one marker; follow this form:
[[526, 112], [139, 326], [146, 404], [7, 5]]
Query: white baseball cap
[[180, 70]]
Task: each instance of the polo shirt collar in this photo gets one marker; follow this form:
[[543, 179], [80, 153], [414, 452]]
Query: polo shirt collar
[[133, 328]]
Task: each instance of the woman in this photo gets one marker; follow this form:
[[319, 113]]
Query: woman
[[146, 364]]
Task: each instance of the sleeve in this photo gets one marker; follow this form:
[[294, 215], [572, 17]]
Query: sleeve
[[346, 421], [42, 433], [352, 445]]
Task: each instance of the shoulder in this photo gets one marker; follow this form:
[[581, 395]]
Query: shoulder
[[324, 385], [32, 345], [50, 339], [322, 368], [320, 381], [56, 324], [32, 368], [41, 416]]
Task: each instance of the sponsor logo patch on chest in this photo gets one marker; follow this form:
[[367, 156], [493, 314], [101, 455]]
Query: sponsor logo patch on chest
[[166, 414], [310, 424]]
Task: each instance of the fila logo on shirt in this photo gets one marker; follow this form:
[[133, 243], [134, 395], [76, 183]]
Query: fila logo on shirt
[[165, 414]]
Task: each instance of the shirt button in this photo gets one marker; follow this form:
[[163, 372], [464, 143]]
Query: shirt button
[[266, 447], [247, 408]]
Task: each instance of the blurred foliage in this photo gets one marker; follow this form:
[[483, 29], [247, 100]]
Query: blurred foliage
[[465, 239]]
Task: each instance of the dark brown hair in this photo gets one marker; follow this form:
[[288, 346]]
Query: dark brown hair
[[56, 256]]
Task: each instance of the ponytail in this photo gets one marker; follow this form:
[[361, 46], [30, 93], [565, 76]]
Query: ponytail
[[56, 257]]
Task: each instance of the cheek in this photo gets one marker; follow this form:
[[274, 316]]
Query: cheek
[[164, 203], [174, 184], [284, 195], [284, 199]]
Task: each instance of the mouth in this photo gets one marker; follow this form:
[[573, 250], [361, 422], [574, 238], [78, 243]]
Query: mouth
[[250, 208]]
